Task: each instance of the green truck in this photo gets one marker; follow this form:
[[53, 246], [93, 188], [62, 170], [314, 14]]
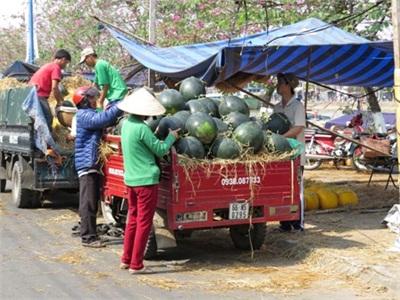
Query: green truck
[[29, 170]]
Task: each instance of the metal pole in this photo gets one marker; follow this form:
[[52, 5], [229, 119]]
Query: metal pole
[[152, 37], [30, 43], [307, 82], [396, 46]]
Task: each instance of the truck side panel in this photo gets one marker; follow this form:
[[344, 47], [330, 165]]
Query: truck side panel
[[200, 198]]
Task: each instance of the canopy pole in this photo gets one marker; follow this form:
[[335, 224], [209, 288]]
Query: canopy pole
[[396, 48], [250, 94], [152, 38], [307, 82]]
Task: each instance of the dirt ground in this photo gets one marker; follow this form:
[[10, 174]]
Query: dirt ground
[[343, 254]]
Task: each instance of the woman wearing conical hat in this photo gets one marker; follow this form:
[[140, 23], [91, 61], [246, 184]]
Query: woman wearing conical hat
[[140, 147]]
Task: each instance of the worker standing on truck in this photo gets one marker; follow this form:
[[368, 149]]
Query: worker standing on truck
[[107, 78], [89, 129], [294, 110], [139, 148], [47, 79]]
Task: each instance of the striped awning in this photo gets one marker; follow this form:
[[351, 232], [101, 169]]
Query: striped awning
[[310, 49]]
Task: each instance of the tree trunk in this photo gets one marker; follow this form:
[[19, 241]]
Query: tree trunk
[[372, 100]]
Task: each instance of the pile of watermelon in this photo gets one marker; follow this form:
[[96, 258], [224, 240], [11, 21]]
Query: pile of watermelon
[[217, 127]]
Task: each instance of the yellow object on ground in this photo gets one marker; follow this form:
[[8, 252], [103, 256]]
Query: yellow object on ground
[[311, 200], [327, 198], [347, 198], [315, 187]]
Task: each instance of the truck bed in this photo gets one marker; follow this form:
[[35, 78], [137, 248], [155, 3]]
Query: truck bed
[[203, 197]]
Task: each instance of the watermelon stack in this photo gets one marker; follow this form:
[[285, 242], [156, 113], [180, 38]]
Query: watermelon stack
[[219, 128]]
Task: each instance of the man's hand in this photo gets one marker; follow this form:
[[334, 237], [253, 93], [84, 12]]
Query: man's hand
[[175, 132], [56, 93]]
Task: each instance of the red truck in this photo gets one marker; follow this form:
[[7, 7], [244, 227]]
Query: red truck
[[213, 197]]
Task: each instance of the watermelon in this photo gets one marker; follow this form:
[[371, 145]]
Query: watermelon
[[190, 146], [225, 148], [172, 100], [153, 123], [277, 123], [221, 126], [192, 88], [250, 135], [67, 103], [276, 143], [182, 115], [231, 104], [117, 128], [196, 106], [202, 126], [166, 124], [211, 106], [235, 118], [216, 100], [257, 121]]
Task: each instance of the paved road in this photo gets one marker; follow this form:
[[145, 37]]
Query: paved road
[[39, 259]]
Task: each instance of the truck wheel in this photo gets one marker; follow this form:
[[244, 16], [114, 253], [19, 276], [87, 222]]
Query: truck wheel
[[241, 239], [36, 199], [151, 246], [3, 185], [22, 198]]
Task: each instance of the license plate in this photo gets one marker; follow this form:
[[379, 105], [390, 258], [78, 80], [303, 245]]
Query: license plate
[[238, 210]]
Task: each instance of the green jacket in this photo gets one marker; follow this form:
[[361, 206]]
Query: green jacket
[[139, 148]]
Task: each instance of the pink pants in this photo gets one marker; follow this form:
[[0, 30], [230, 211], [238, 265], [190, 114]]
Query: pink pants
[[142, 203]]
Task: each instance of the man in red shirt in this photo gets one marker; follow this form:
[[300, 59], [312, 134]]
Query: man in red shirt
[[46, 80]]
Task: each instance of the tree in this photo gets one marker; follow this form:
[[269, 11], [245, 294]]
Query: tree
[[68, 23]]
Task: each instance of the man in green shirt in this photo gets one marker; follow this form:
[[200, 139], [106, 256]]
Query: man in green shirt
[[107, 78], [140, 147]]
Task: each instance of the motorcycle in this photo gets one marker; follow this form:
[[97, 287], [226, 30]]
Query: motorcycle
[[320, 146]]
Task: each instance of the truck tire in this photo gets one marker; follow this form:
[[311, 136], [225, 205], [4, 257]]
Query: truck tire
[[22, 198], [3, 185], [151, 246], [241, 239]]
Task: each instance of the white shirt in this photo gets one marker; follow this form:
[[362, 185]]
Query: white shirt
[[294, 110]]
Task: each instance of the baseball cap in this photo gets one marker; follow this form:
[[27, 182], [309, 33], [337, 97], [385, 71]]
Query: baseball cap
[[85, 52]]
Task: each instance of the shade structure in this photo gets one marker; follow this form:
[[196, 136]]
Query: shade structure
[[310, 49]]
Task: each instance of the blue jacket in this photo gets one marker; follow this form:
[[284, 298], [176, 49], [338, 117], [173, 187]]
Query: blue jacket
[[89, 129]]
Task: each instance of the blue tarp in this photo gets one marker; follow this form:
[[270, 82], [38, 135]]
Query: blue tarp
[[335, 57], [43, 137]]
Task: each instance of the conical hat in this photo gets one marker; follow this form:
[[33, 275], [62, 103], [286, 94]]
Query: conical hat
[[141, 102]]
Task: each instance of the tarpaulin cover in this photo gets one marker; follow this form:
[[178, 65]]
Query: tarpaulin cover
[[20, 70], [43, 137], [335, 57]]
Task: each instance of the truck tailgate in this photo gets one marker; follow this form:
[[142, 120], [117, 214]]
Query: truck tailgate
[[204, 197]]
